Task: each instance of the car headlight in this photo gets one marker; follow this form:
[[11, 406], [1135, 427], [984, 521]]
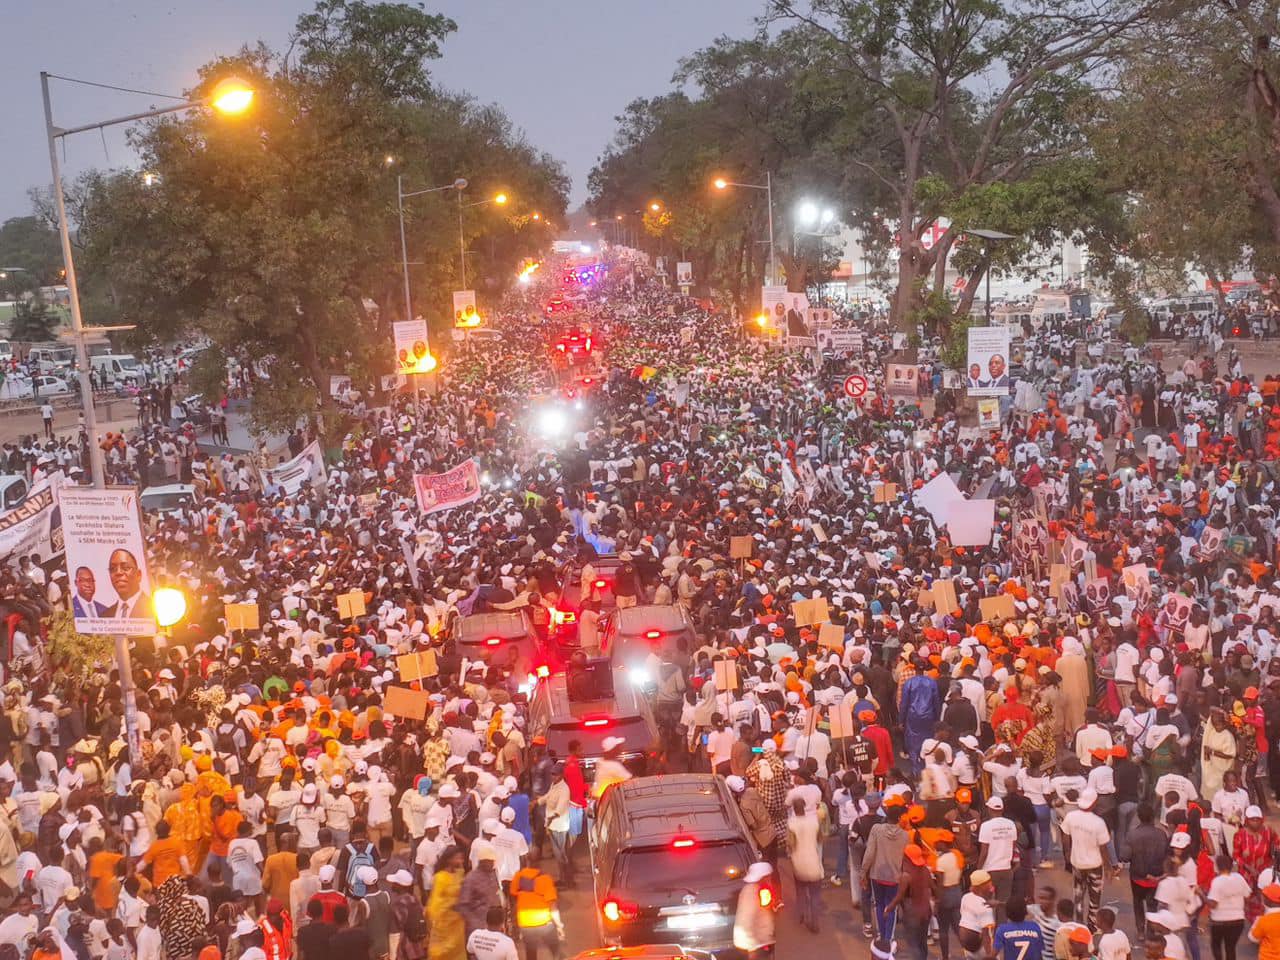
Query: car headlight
[[640, 677]]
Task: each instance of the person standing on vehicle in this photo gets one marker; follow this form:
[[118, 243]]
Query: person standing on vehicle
[[46, 414]]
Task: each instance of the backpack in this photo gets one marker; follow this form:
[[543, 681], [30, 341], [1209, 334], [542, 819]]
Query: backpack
[[355, 860]]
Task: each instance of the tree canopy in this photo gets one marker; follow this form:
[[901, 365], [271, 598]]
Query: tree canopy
[[275, 234]]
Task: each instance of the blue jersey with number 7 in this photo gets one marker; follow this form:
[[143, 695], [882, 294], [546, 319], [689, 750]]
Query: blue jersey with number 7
[[1019, 941]]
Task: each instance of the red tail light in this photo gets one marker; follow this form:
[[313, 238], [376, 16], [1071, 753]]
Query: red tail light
[[616, 911], [652, 634], [683, 843], [544, 671], [601, 584], [766, 897], [597, 722], [492, 641]]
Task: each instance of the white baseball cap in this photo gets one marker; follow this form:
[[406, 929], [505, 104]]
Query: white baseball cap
[[611, 743]]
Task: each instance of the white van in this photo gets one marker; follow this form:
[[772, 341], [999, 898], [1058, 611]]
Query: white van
[[118, 369], [6, 351], [51, 359]]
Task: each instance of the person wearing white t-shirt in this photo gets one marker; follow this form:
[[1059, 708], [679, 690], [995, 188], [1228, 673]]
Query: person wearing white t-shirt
[[996, 838], [1226, 898], [491, 943], [977, 918], [1085, 840]]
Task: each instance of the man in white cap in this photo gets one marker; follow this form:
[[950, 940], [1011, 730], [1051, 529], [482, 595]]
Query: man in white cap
[[433, 843], [996, 838], [609, 768], [1086, 848], [511, 846], [753, 921]]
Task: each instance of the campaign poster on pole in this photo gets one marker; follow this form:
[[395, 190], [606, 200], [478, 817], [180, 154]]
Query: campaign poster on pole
[[465, 313], [413, 354], [33, 526], [773, 306], [106, 561], [988, 367], [684, 273], [443, 491]]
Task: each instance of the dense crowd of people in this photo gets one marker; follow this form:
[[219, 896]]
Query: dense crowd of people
[[1094, 689]]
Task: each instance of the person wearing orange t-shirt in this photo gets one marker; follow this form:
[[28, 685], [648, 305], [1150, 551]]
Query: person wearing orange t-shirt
[[1265, 931], [104, 875], [225, 823], [166, 856]]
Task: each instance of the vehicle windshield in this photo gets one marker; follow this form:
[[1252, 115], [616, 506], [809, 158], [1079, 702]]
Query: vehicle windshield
[[164, 501], [671, 870], [633, 731], [127, 363]]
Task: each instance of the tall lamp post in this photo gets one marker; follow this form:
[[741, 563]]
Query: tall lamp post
[[500, 199], [723, 184], [990, 238], [402, 195], [230, 97]]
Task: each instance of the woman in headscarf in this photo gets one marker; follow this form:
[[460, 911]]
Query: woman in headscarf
[[188, 826], [182, 923], [448, 931], [1041, 739], [1252, 850], [1218, 746]]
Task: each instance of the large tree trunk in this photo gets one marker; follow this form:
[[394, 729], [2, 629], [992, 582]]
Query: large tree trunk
[[797, 271]]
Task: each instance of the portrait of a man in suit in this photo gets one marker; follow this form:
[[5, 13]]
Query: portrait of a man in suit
[[82, 602], [126, 580]]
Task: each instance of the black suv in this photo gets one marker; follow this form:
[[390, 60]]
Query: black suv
[[669, 854]]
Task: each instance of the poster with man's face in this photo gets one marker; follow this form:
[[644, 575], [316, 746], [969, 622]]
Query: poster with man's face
[[988, 362], [1211, 542], [106, 562], [1177, 610], [1097, 594]]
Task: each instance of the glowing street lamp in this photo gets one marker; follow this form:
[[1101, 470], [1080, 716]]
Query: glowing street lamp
[[231, 96], [655, 206], [720, 183], [170, 606]]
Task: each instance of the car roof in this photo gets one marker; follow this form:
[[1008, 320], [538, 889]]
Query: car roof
[[508, 624], [654, 808], [169, 489], [623, 703], [651, 616]]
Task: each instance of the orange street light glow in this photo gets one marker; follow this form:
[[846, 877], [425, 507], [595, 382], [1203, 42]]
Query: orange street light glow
[[232, 96], [721, 183], [500, 199]]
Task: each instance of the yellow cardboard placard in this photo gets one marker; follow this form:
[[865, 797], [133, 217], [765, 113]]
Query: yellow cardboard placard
[[997, 607], [820, 533], [809, 612], [886, 493], [831, 636], [741, 548], [1059, 574], [241, 616], [840, 719], [726, 675], [351, 605], [420, 665], [405, 703], [944, 596]]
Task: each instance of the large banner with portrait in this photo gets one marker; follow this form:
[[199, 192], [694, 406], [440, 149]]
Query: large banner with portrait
[[106, 561], [290, 474], [988, 366], [412, 352], [443, 491]]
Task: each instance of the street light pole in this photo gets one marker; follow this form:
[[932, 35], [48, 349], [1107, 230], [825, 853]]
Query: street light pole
[[97, 467], [230, 101], [462, 245], [768, 190]]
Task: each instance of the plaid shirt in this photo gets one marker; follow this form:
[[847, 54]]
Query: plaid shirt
[[773, 791]]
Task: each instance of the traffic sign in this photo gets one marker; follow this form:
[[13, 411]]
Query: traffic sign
[[855, 385]]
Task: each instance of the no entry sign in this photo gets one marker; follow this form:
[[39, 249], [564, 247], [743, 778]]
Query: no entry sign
[[855, 385]]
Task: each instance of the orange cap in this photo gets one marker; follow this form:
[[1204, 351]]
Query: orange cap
[[1081, 935], [914, 853], [1251, 693], [964, 795]]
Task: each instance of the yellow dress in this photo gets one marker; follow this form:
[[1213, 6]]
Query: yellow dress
[[448, 932]]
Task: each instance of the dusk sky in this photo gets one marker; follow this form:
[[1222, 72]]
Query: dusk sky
[[561, 70]]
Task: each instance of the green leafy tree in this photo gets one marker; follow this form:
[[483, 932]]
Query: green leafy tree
[[79, 655], [30, 255], [275, 234], [957, 96], [32, 321]]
